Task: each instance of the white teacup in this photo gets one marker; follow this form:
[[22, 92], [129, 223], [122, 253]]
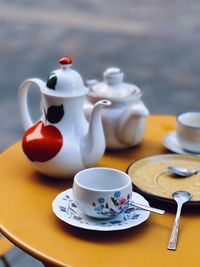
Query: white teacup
[[102, 192], [188, 130]]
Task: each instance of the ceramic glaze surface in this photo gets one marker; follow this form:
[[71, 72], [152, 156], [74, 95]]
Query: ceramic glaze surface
[[102, 192], [188, 131], [113, 85], [65, 81], [46, 139], [65, 208], [151, 176], [102, 208], [62, 142], [124, 121], [170, 141]]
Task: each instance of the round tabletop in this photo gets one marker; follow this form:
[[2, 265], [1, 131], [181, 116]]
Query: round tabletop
[[27, 219]]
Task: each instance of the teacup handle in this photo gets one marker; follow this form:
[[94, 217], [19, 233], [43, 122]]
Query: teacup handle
[[23, 103]]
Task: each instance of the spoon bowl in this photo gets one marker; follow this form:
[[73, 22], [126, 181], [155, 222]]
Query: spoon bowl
[[184, 196], [182, 172]]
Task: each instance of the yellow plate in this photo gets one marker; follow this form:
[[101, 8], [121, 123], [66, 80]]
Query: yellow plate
[[151, 177]]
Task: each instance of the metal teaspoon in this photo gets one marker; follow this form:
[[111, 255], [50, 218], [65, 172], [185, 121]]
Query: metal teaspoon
[[180, 197], [148, 208], [183, 172]]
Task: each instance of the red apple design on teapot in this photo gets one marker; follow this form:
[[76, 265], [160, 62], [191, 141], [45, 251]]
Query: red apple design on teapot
[[43, 142]]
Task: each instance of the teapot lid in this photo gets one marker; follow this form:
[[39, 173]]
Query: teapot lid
[[65, 81], [113, 86]]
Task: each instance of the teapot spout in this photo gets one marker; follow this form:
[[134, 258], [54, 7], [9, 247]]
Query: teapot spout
[[93, 143]]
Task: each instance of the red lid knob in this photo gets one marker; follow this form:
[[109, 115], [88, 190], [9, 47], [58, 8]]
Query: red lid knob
[[65, 61]]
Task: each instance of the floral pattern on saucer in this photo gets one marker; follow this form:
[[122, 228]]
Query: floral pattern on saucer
[[65, 209]]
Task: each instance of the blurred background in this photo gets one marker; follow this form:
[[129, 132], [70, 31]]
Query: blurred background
[[155, 42]]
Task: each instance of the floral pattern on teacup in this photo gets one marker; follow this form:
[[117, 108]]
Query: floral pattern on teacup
[[119, 203]]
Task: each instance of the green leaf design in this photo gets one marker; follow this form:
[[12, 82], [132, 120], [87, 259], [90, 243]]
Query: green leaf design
[[55, 114], [51, 81], [114, 201], [72, 210]]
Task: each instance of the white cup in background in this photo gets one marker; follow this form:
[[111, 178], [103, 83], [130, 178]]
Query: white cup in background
[[188, 130]]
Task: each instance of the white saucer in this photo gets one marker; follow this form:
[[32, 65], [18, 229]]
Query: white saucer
[[65, 209], [171, 142]]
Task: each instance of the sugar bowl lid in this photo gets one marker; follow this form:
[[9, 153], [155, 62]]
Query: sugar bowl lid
[[113, 86], [65, 81]]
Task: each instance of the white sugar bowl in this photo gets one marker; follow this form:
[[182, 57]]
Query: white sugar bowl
[[124, 121], [102, 192]]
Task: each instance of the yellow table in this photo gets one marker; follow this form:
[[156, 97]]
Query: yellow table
[[27, 220]]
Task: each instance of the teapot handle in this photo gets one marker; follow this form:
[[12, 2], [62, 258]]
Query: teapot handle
[[126, 123], [23, 103]]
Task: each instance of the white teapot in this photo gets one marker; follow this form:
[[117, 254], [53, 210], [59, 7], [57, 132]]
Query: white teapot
[[124, 121], [62, 142]]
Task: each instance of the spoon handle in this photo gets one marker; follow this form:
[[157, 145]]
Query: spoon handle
[[144, 207], [174, 234]]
